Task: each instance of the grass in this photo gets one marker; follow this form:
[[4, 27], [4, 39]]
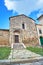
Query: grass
[[4, 52], [36, 50]]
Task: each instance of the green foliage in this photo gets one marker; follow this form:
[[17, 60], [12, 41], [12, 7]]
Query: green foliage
[[36, 50], [4, 52]]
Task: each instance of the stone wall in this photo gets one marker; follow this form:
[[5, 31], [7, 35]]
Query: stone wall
[[29, 34], [4, 37]]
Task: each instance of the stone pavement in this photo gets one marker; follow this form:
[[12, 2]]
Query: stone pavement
[[23, 54], [19, 52]]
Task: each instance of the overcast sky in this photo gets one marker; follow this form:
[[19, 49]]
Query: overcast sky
[[31, 8]]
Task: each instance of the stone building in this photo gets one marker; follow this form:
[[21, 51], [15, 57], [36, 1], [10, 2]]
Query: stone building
[[40, 30], [22, 30]]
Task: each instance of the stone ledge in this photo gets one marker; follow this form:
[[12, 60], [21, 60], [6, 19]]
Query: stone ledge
[[30, 60]]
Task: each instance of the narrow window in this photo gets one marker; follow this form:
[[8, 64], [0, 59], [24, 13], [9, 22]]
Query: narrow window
[[23, 26], [40, 31]]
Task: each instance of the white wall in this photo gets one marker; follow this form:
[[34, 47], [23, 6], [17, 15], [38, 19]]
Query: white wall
[[41, 20], [41, 28]]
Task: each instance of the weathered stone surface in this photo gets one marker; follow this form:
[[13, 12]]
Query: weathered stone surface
[[4, 37], [23, 54], [28, 35]]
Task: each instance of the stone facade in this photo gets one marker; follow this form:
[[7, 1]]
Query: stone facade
[[24, 28], [4, 37]]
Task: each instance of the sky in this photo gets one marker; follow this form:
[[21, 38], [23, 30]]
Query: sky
[[8, 8]]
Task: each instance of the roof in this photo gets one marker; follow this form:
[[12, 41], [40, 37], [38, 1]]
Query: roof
[[40, 17], [39, 24], [4, 29], [21, 15]]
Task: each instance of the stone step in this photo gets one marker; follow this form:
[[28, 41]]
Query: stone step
[[18, 46]]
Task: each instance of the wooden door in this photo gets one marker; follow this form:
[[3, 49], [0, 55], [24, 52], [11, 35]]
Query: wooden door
[[16, 38]]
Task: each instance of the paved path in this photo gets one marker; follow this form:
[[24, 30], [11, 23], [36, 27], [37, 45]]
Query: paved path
[[23, 54], [19, 52]]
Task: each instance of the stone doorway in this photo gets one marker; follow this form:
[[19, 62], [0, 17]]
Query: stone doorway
[[16, 38]]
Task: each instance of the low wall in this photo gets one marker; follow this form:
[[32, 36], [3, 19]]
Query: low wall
[[4, 37]]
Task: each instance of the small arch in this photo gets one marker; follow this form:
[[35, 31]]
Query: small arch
[[17, 31]]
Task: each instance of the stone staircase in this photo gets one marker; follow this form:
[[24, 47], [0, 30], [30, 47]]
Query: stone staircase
[[18, 46]]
